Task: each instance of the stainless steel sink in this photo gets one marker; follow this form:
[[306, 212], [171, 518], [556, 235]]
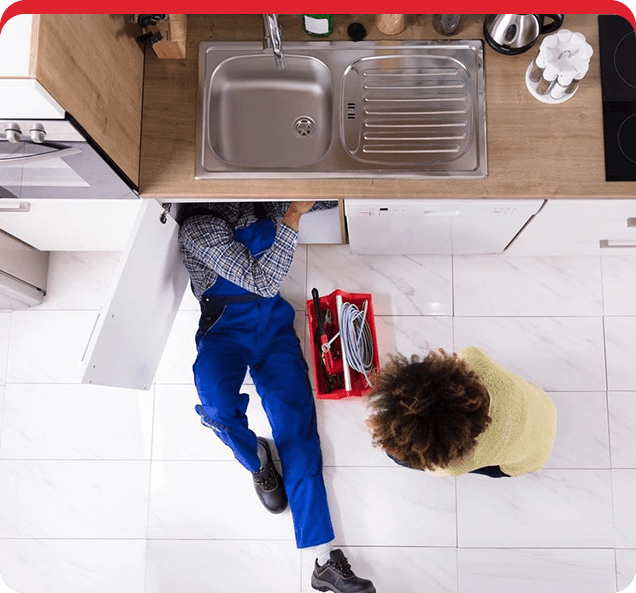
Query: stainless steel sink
[[262, 116], [412, 109]]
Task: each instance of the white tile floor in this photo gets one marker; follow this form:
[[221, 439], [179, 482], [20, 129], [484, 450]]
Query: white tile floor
[[107, 490]]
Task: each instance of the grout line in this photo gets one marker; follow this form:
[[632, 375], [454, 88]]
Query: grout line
[[607, 402], [456, 536], [615, 567], [452, 262], [3, 387], [145, 565], [602, 286], [291, 540]]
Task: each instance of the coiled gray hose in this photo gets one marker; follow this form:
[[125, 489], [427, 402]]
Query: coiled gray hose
[[355, 335]]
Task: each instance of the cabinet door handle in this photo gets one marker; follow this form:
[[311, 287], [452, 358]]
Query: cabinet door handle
[[15, 206], [610, 243], [631, 222]]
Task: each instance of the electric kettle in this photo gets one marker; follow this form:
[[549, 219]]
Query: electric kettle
[[516, 33]]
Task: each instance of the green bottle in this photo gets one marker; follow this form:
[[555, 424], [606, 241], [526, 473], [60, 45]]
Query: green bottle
[[318, 25]]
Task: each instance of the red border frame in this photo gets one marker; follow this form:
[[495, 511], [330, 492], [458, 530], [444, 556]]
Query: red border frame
[[288, 7]]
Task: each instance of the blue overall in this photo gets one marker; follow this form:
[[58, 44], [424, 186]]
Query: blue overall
[[259, 334]]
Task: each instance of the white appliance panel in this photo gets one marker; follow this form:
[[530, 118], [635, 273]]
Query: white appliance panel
[[419, 227]]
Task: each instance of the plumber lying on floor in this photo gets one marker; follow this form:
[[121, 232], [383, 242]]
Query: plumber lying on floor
[[237, 256]]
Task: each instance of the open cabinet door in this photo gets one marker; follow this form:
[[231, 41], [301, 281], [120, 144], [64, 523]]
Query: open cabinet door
[[133, 327]]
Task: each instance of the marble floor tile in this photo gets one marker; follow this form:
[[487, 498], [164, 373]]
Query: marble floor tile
[[622, 423], [530, 571], [223, 566], [626, 570], [620, 345], [80, 280], [505, 286], [399, 284], [550, 508], [619, 284], [413, 335], [5, 332], [76, 422], [390, 506], [300, 327], [74, 499], [62, 566], [554, 530], [557, 354], [397, 569], [210, 500], [47, 346], [582, 439], [178, 433], [624, 490], [293, 288], [344, 437], [2, 391], [181, 351], [189, 302]]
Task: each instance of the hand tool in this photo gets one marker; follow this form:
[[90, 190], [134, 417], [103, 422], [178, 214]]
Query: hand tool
[[331, 367]]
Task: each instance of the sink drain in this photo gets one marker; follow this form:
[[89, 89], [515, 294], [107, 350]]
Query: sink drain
[[304, 126]]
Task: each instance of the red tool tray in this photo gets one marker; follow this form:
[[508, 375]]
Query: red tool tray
[[359, 386]]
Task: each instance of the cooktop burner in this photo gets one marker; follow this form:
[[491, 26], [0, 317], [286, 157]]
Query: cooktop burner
[[624, 55], [627, 138], [617, 43]]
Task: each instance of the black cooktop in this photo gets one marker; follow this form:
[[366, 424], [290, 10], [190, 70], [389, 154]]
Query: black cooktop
[[617, 45]]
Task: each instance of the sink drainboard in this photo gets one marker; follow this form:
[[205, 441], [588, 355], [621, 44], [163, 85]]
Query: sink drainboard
[[414, 110]]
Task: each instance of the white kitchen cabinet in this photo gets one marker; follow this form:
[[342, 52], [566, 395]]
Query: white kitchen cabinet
[[22, 97], [106, 225], [15, 45], [579, 227], [129, 338], [70, 225], [133, 327], [422, 227]]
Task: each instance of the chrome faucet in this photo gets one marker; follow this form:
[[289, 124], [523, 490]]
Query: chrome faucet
[[272, 38]]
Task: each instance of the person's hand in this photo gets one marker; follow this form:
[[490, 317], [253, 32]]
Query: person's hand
[[295, 211]]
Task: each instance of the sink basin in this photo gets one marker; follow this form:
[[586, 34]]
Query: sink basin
[[407, 109], [262, 116]]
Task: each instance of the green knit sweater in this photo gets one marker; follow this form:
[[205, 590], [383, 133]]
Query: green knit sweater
[[523, 428]]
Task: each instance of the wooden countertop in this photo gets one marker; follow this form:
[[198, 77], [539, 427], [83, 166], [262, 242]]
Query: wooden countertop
[[535, 150], [94, 67]]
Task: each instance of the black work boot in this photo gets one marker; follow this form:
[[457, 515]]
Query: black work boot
[[269, 484], [336, 575]]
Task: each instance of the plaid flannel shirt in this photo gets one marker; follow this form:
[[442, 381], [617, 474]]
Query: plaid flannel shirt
[[210, 251]]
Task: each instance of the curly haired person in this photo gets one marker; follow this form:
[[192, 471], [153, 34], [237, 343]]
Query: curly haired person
[[460, 413]]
